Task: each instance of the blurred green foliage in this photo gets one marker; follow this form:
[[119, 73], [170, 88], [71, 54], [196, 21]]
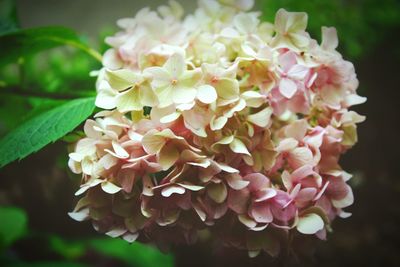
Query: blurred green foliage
[[71, 253], [13, 225], [135, 254], [361, 24]]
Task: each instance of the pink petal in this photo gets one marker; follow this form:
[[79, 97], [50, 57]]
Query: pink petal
[[238, 199], [261, 213], [306, 194], [287, 88], [257, 181], [265, 194], [287, 60]]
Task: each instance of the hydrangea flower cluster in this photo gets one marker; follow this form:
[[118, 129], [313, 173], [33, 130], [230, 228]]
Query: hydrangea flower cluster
[[218, 121]]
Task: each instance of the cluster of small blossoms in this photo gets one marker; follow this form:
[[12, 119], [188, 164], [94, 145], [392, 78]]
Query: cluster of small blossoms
[[218, 120]]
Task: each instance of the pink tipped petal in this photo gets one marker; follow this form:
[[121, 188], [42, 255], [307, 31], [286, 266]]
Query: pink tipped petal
[[346, 201], [265, 194], [236, 182], [257, 181], [261, 213], [298, 72], [303, 172]]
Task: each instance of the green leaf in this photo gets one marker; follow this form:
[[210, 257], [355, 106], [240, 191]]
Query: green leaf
[[26, 42], [70, 250], [13, 225], [43, 129], [135, 254]]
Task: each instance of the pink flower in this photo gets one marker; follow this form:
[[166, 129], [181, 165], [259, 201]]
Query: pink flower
[[199, 111]]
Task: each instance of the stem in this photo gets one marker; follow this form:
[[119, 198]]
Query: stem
[[20, 92], [84, 48]]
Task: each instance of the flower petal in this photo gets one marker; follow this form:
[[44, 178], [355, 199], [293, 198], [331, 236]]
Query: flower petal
[[181, 94], [152, 143], [217, 192], [238, 146], [122, 79], [172, 189], [261, 118], [110, 188], [287, 88], [168, 156], [176, 65], [206, 94], [310, 224], [261, 213]]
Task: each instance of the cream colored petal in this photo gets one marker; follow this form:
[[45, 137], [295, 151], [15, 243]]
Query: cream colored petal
[[329, 38], [170, 117], [297, 21], [168, 156], [225, 141], [310, 224], [111, 60], [110, 188], [172, 189], [261, 118], [217, 192], [217, 123], [160, 77], [147, 96], [183, 94], [287, 144], [281, 21], [80, 216], [253, 99], [246, 23], [301, 156], [238, 146], [128, 101], [299, 39], [227, 88], [122, 79], [346, 201], [152, 143], [165, 96], [206, 94], [247, 221], [105, 96], [176, 65]]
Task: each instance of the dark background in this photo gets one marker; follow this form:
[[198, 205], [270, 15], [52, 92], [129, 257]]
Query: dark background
[[42, 186]]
